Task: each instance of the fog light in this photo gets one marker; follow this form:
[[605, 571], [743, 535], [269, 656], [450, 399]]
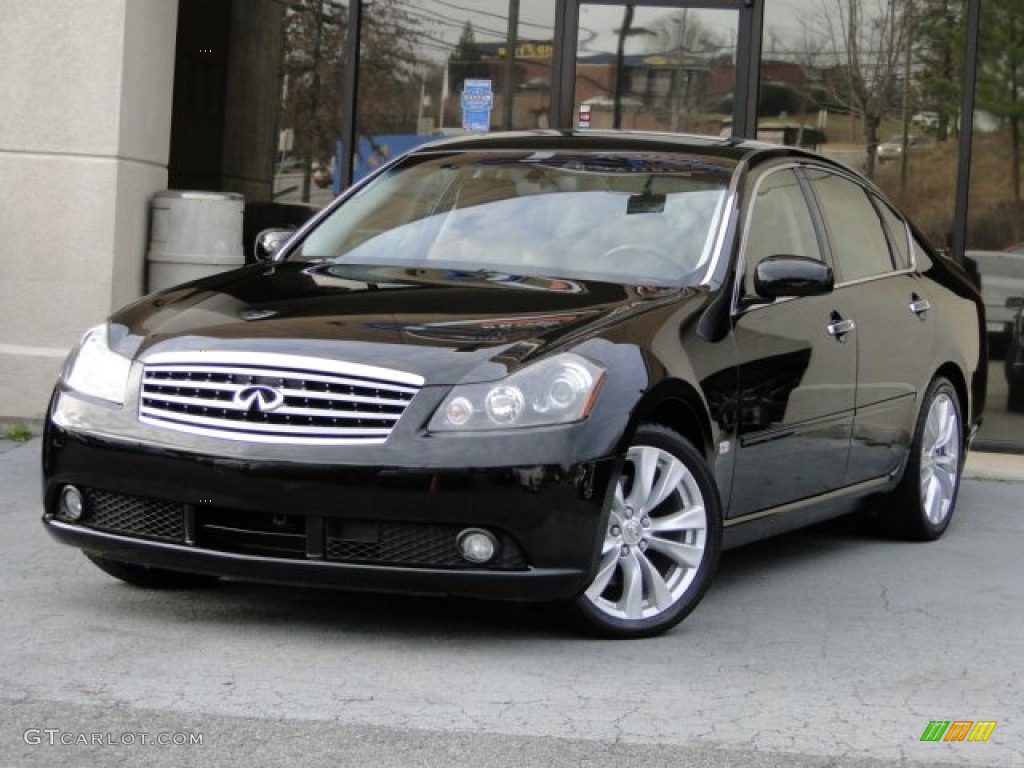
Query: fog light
[[71, 502], [476, 545]]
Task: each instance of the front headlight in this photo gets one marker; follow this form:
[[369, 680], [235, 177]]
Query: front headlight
[[555, 391], [96, 370]]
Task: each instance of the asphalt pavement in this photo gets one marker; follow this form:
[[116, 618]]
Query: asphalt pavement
[[825, 647]]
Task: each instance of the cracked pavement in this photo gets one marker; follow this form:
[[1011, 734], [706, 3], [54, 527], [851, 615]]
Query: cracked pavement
[[824, 647]]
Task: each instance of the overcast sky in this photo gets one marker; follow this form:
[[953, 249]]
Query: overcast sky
[[598, 23]]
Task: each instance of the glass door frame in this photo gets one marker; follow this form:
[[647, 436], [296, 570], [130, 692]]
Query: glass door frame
[[748, 56]]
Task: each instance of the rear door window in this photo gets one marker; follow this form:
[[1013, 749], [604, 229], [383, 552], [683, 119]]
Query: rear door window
[[855, 232]]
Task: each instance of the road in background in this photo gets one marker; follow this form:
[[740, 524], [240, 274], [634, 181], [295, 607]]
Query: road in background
[[821, 648]]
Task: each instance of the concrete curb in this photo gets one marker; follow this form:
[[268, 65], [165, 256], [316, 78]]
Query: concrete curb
[[995, 466]]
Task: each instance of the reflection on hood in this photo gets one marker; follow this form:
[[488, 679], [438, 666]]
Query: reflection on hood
[[486, 329]]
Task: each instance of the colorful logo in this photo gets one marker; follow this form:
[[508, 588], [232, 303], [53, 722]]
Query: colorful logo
[[958, 730]]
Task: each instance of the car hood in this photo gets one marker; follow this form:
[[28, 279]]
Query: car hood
[[444, 325]]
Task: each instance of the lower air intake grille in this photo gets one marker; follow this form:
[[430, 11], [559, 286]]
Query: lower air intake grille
[[411, 544], [281, 536], [164, 520]]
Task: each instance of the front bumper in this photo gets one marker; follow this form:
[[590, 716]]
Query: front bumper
[[332, 525]]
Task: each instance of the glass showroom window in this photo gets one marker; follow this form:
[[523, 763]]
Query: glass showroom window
[[416, 56], [890, 106], [874, 84], [656, 68], [995, 223], [312, 94]]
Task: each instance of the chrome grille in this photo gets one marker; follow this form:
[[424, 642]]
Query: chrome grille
[[273, 398]]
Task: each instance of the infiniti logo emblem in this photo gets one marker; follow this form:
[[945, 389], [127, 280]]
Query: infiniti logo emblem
[[259, 398]]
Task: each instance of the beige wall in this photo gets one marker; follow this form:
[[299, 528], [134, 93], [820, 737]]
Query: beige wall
[[87, 89]]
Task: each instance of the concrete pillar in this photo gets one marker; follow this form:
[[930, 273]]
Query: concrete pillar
[[227, 95], [252, 99], [87, 89]]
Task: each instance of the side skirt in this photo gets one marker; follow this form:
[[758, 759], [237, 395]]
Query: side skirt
[[799, 514]]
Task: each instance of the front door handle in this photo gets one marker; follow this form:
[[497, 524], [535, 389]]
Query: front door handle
[[919, 306], [838, 327]]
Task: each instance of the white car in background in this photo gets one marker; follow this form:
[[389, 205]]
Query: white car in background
[[929, 121], [893, 148]]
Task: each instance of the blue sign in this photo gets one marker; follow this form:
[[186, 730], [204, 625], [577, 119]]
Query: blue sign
[[374, 151], [477, 102]]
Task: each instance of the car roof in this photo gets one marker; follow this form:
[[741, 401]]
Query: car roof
[[723, 147]]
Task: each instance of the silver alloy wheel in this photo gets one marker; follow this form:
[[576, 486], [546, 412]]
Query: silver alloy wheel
[[940, 459], [656, 538]]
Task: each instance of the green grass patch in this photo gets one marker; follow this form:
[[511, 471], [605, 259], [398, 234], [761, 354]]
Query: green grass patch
[[19, 433]]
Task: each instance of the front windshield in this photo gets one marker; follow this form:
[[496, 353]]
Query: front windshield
[[642, 218]]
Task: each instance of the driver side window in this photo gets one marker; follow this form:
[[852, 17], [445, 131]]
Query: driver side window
[[780, 224]]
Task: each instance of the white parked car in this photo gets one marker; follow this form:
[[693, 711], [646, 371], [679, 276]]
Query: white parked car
[[892, 149], [927, 120]]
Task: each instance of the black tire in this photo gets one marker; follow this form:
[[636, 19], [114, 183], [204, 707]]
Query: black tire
[[667, 547], [922, 505], [151, 578]]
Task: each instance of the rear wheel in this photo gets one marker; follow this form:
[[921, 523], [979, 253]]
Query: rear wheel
[[661, 544], [151, 578], [923, 504]]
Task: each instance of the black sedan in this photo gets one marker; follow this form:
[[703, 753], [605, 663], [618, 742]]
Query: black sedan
[[559, 368]]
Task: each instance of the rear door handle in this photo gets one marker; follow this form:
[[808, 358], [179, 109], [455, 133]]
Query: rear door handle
[[838, 327], [919, 306]]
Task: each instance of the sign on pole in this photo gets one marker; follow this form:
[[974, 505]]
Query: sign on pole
[[477, 102]]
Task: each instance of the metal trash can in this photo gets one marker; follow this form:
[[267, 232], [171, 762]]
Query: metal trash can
[[193, 235]]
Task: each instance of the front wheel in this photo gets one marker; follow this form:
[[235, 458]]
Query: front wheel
[[662, 540], [923, 504]]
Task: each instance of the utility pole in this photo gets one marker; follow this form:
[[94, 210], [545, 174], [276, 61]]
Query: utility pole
[[908, 45], [620, 62], [511, 43]]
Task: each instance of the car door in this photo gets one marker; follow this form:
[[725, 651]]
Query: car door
[[797, 363], [870, 248]]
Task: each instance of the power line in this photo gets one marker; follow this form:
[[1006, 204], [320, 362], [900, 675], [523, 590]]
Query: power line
[[492, 14], [448, 21]]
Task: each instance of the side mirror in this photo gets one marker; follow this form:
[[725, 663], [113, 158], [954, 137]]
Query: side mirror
[[1015, 302], [781, 276], [269, 242]]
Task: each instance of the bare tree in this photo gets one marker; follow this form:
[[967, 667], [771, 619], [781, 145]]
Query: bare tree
[[807, 52], [1000, 78], [938, 49], [314, 67], [689, 44], [390, 67], [683, 31], [864, 39]]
